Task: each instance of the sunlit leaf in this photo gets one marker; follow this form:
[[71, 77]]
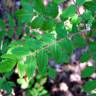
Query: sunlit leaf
[[70, 11], [89, 86], [85, 57], [7, 65], [51, 73], [88, 71], [21, 68], [31, 65]]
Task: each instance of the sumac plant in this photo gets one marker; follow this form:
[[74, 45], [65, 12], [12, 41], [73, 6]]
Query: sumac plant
[[33, 32]]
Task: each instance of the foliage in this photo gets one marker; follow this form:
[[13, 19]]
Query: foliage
[[37, 35]]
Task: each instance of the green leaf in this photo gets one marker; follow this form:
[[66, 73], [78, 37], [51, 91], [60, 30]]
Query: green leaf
[[2, 29], [88, 71], [38, 22], [11, 32], [7, 65], [42, 92], [85, 57], [20, 51], [19, 29], [30, 66], [94, 56], [74, 29], [78, 41], [42, 62], [93, 28], [11, 21], [89, 86], [21, 68], [66, 57], [75, 19], [92, 94], [35, 44], [8, 86], [12, 26], [9, 56], [51, 73], [47, 38], [27, 5], [56, 52], [90, 5], [58, 1], [2, 25], [61, 30], [69, 12], [49, 24], [87, 15], [92, 47], [38, 5], [15, 44], [2, 80], [24, 15], [67, 45], [52, 10], [80, 2]]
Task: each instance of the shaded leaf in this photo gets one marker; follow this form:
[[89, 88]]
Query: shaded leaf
[[52, 10], [38, 22], [20, 51], [42, 62], [24, 15], [51, 73], [90, 5], [56, 52], [80, 2], [67, 45], [8, 86], [61, 30], [78, 41], [49, 24]]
